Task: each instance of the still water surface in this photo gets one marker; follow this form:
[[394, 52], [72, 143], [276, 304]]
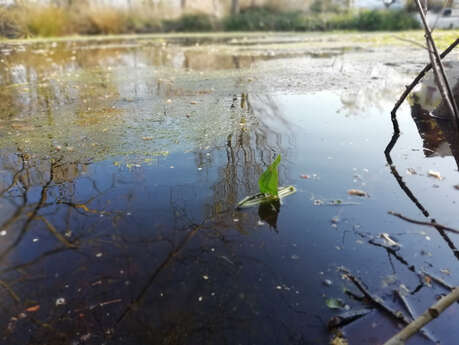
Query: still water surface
[[121, 166]]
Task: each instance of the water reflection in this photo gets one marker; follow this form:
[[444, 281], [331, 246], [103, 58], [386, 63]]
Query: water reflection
[[440, 137]]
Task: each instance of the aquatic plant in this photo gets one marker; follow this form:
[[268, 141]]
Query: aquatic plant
[[269, 180]]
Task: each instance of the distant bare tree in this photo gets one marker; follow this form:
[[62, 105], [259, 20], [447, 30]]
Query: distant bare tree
[[183, 4]]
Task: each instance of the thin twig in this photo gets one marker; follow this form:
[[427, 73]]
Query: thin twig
[[419, 222], [10, 291], [378, 302], [439, 281], [405, 303], [410, 41], [56, 233]]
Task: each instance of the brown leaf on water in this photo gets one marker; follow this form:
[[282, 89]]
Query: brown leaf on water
[[428, 281], [357, 192], [33, 309]]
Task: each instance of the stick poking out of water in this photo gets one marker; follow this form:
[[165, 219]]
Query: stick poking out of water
[[421, 75], [430, 314]]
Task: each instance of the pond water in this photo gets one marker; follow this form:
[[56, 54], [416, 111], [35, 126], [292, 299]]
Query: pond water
[[123, 160]]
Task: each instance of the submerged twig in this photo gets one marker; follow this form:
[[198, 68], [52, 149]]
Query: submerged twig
[[10, 291], [419, 222], [439, 281], [430, 314], [405, 303], [378, 302]]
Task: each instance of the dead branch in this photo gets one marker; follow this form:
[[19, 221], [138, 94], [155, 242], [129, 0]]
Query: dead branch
[[419, 222], [438, 68], [433, 312], [378, 302], [405, 303], [439, 281], [421, 75]]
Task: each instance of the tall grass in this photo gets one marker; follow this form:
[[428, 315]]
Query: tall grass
[[33, 20], [255, 19], [45, 21], [10, 26]]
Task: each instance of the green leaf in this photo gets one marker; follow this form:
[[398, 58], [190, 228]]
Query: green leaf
[[269, 180], [334, 303]]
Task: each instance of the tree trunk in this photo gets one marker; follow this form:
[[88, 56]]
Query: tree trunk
[[235, 7], [183, 4]]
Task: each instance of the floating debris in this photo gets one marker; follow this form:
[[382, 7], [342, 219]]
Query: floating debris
[[60, 301], [411, 171], [357, 192], [338, 340], [327, 282], [226, 259], [389, 241], [434, 174], [33, 309], [335, 303]]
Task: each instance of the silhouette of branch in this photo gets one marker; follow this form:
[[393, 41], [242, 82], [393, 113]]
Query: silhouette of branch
[[56, 233], [15, 177], [433, 224], [10, 291], [169, 258], [25, 227]]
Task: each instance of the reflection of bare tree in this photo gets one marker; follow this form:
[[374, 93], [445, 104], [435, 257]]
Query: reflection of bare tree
[[249, 149]]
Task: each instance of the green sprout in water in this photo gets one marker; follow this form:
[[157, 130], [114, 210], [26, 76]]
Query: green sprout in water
[[269, 180]]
